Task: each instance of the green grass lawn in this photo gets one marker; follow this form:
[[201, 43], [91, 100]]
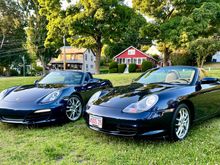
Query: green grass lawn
[[74, 143]]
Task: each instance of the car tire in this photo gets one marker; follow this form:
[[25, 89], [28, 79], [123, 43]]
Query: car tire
[[74, 108], [180, 123]]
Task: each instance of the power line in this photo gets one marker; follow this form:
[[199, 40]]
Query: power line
[[18, 50], [14, 53]]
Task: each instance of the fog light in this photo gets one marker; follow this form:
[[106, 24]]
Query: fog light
[[42, 111]]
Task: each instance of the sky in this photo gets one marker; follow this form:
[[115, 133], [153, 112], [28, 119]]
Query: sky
[[65, 3]]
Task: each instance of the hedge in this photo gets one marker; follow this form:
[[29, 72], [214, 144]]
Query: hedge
[[121, 68], [132, 68], [146, 65], [113, 65], [113, 70]]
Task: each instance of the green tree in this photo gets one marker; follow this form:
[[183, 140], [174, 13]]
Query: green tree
[[133, 35], [204, 47], [36, 33], [12, 38], [88, 23], [177, 23]]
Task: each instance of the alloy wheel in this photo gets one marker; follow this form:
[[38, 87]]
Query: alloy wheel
[[74, 108], [182, 123]]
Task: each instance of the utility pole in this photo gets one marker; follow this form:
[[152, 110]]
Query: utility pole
[[64, 52], [23, 59]]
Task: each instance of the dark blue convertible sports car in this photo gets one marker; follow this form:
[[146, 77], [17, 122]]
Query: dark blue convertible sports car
[[162, 101], [58, 95]]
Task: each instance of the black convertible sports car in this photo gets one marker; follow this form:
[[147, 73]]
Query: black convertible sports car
[[58, 95], [162, 101]]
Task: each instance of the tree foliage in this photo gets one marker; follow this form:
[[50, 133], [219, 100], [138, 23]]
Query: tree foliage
[[88, 23], [133, 35], [37, 33], [11, 34], [178, 23], [203, 47]]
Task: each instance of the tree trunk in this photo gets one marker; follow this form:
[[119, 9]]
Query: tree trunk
[[166, 60], [202, 62], [43, 64], [98, 57]]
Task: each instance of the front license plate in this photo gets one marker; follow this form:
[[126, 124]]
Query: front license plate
[[95, 121]]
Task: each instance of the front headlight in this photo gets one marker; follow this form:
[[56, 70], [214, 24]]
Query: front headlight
[[94, 98], [51, 97], [3, 93], [142, 105]]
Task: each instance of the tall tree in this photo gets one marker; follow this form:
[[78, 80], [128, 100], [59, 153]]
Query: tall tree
[[88, 23], [36, 33], [133, 35], [180, 22], [11, 34], [204, 47]]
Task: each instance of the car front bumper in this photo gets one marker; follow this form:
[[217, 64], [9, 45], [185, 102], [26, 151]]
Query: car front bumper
[[20, 113], [115, 122]]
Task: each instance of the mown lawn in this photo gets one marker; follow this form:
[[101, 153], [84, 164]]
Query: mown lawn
[[74, 143]]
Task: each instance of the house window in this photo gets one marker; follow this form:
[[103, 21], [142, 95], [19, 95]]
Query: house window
[[123, 60], [91, 57], [91, 66], [87, 67], [131, 52], [129, 61], [86, 57], [132, 60], [139, 61], [135, 61]]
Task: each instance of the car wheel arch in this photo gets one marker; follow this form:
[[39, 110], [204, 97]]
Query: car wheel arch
[[77, 94], [191, 108]]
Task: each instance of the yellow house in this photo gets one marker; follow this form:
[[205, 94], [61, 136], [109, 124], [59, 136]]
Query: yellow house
[[76, 59]]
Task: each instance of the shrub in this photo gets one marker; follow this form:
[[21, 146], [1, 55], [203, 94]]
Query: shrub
[[113, 70], [13, 72], [121, 68], [104, 71], [156, 57], [146, 65], [132, 68], [33, 72], [38, 69], [113, 65]]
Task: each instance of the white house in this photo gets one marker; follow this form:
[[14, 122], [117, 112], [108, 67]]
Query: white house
[[216, 57], [76, 59]]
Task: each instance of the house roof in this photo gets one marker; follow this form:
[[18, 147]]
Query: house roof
[[72, 50], [142, 53]]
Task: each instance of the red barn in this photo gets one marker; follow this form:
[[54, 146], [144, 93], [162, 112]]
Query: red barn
[[131, 55]]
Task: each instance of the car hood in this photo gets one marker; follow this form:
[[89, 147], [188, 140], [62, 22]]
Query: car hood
[[29, 93], [122, 96]]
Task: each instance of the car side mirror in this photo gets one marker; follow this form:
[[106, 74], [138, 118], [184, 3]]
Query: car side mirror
[[36, 82], [209, 80]]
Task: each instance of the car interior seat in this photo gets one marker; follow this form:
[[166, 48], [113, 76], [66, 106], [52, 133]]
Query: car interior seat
[[171, 76]]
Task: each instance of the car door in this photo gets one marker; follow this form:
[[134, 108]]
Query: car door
[[207, 99]]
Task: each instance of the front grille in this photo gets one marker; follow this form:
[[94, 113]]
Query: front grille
[[38, 116]]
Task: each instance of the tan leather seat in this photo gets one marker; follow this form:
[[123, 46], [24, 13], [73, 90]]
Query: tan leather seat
[[171, 76]]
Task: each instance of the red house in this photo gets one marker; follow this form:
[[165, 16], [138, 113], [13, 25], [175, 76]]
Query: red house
[[131, 55]]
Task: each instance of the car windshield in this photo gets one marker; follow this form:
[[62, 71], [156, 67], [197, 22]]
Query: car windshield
[[63, 78], [169, 75]]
